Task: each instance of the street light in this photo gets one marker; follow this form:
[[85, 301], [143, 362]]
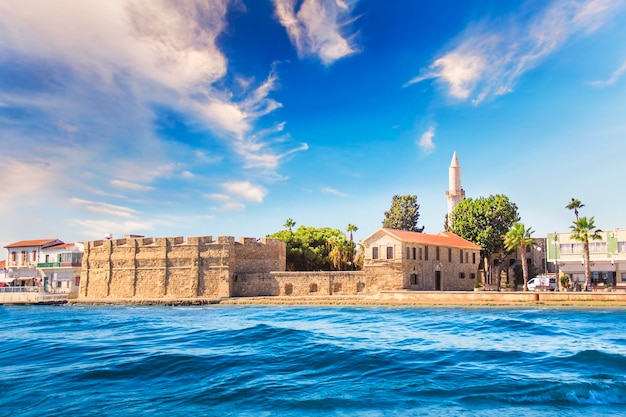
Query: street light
[[556, 260]]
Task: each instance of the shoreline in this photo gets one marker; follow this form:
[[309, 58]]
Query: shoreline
[[395, 298]]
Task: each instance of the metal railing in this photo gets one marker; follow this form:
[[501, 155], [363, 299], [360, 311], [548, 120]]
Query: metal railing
[[29, 295]]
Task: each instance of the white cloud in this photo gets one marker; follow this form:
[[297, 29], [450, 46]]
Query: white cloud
[[617, 74], [246, 190], [111, 62], [332, 191], [105, 208], [97, 229], [426, 143], [127, 185], [316, 28], [488, 58]]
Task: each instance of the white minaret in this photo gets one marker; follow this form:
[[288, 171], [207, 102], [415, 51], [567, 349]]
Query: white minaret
[[455, 193]]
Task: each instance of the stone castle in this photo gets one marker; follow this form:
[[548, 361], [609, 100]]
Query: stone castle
[[203, 267]]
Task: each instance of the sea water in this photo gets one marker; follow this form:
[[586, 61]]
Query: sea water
[[311, 361]]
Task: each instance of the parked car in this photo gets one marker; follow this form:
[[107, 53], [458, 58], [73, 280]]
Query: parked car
[[542, 283]]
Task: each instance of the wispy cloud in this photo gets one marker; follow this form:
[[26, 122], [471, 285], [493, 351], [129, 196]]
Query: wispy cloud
[[128, 57], [426, 143], [105, 208], [487, 60], [617, 74], [97, 229], [127, 185], [318, 27], [333, 191]]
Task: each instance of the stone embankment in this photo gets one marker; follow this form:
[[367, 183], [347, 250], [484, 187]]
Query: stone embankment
[[400, 298]]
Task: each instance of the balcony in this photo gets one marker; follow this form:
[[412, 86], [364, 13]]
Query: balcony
[[49, 265]]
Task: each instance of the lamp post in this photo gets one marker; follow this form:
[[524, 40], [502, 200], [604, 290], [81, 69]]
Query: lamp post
[[556, 260]]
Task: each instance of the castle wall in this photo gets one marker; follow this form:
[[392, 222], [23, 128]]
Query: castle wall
[[302, 284], [138, 267]]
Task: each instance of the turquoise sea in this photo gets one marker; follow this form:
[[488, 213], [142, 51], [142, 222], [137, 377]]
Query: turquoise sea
[[311, 361]]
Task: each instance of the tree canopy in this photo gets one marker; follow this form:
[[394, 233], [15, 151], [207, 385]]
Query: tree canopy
[[574, 204], [403, 214], [484, 221], [314, 249]]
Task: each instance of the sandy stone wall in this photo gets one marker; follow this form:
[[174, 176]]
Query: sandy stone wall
[[140, 267], [302, 283]]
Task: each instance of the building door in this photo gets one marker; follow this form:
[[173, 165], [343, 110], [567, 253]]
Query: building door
[[437, 280]]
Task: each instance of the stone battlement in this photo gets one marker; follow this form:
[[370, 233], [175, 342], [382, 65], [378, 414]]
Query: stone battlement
[[140, 241]]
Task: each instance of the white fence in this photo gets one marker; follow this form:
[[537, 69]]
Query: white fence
[[29, 295]]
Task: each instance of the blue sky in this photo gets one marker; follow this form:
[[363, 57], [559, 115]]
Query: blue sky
[[215, 117]]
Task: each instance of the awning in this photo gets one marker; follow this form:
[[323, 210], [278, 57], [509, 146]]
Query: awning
[[25, 278], [6, 280]]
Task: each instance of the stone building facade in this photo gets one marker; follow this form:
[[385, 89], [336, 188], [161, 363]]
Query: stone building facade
[[420, 261]]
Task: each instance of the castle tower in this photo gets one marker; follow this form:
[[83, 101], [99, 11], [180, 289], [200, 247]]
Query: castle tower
[[455, 193]]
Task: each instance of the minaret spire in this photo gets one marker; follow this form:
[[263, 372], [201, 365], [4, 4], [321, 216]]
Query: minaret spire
[[455, 193]]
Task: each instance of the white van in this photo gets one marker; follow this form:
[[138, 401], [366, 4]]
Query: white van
[[542, 283]]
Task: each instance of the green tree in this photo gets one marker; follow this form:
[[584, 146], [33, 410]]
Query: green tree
[[575, 204], [519, 237], [308, 248], [403, 214], [484, 221], [341, 253], [583, 230], [289, 224], [351, 228]]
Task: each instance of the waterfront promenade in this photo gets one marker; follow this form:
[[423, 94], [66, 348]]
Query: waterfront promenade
[[595, 299]]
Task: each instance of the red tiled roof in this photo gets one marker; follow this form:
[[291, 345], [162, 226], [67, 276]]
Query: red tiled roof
[[25, 243], [447, 239], [61, 246]]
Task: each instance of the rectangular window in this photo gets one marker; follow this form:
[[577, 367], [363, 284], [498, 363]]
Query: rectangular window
[[13, 255], [437, 252], [461, 255], [571, 248], [474, 257], [414, 279], [389, 252], [462, 275], [33, 256], [374, 253], [426, 253], [472, 275], [449, 254], [408, 253], [466, 259], [597, 247], [420, 254], [414, 253], [621, 247]]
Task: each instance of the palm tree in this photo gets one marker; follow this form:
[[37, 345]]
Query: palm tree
[[583, 230], [575, 204], [341, 252], [351, 228], [289, 224], [518, 238]]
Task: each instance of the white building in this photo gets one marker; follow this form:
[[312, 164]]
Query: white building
[[22, 259], [60, 266], [48, 262], [607, 257]]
